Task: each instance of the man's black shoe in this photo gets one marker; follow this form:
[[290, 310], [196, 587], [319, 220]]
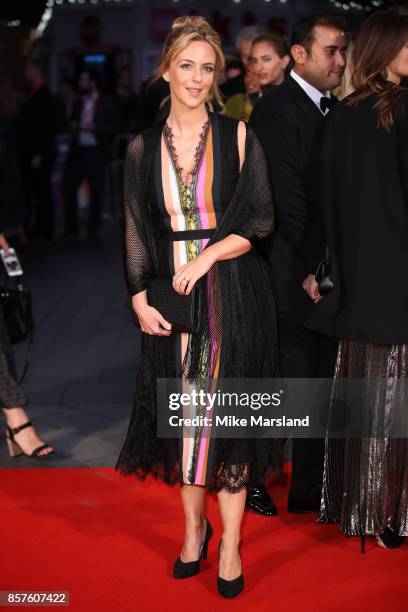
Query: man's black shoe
[[259, 500], [303, 505]]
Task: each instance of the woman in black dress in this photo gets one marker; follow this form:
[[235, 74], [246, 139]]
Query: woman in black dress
[[21, 436], [365, 206], [197, 201]]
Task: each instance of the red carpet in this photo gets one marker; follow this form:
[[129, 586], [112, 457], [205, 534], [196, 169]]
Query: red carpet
[[111, 540]]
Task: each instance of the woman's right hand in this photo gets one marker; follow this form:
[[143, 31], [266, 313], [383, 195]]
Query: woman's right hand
[[151, 321]]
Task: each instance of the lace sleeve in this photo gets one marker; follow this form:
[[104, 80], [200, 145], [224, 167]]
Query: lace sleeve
[[260, 222], [138, 227]]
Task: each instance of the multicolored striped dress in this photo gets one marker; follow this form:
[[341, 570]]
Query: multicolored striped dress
[[190, 215]]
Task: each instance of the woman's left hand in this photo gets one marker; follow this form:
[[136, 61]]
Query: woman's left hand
[[187, 276]]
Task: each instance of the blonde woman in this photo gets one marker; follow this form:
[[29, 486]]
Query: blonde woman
[[346, 88], [197, 202]]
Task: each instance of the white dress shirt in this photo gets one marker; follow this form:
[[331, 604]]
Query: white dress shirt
[[87, 138], [314, 94]]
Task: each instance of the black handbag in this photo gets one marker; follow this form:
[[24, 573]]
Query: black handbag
[[182, 311], [17, 311], [323, 275]]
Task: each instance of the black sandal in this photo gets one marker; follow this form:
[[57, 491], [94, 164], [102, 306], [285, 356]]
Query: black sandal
[[15, 449]]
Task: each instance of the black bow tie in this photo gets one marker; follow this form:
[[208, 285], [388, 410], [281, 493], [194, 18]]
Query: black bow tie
[[327, 103]]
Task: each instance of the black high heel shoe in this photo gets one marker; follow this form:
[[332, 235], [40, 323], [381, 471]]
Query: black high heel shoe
[[229, 588], [15, 449], [191, 568], [389, 539]]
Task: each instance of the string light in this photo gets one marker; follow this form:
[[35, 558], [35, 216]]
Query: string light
[[356, 6], [345, 5], [11, 24], [45, 18]]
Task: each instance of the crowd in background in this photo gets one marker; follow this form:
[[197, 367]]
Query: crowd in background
[[50, 143]]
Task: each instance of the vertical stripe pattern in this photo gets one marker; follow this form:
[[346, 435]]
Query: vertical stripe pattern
[[190, 207]]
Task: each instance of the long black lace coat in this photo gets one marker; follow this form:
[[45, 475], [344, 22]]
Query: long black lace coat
[[243, 306]]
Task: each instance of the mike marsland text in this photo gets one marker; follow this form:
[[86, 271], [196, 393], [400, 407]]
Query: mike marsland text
[[233, 421]]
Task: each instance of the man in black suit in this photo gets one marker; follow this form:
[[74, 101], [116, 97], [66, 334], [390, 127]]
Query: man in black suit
[[288, 122], [93, 125], [37, 127], [243, 45]]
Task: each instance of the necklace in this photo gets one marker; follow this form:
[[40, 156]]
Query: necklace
[[198, 150]]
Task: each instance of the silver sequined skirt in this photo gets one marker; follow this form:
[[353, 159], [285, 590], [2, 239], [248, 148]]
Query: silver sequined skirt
[[365, 481]]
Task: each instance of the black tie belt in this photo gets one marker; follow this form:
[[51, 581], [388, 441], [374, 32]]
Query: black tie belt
[[187, 234]]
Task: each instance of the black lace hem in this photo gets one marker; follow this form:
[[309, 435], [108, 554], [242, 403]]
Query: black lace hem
[[173, 478]]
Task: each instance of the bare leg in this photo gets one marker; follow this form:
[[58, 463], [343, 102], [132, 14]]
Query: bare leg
[[27, 439], [193, 499], [232, 506]]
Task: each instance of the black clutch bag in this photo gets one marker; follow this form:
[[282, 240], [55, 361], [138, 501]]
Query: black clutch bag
[[323, 275], [182, 311], [17, 311]]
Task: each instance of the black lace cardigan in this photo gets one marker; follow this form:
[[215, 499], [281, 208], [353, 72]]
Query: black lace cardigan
[[239, 323], [244, 301]]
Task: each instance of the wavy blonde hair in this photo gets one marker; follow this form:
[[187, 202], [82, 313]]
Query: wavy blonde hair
[[185, 30], [346, 86]]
